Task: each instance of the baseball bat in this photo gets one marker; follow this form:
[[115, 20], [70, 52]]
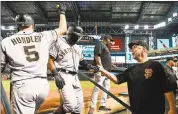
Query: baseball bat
[[4, 101], [109, 93]]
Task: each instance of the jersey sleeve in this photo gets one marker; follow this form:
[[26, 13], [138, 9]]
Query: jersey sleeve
[[81, 54], [3, 57], [98, 49], [54, 50], [51, 36], [122, 77]]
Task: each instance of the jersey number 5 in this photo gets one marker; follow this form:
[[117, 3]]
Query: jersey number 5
[[28, 53]]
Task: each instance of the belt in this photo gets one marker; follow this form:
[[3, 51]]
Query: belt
[[30, 78], [66, 71]]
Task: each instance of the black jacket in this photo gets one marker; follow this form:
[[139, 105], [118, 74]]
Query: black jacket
[[171, 77]]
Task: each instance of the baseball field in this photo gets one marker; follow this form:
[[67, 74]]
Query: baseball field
[[52, 101]]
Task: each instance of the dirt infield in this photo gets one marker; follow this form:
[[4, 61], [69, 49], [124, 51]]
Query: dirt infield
[[52, 101]]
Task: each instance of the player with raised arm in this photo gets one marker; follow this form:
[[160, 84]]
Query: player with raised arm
[[27, 53]]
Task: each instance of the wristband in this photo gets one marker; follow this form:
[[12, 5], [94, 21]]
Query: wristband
[[62, 12], [54, 71]]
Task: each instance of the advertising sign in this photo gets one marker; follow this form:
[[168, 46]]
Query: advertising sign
[[116, 45], [162, 43]]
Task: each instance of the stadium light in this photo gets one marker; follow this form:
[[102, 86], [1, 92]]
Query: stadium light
[[169, 19], [146, 27], [174, 14], [136, 27], [126, 26], [3, 27], [162, 24]]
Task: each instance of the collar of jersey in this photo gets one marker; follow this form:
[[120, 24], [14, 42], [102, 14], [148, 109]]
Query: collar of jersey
[[25, 32]]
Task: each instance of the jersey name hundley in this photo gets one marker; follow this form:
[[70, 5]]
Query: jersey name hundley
[[26, 40]]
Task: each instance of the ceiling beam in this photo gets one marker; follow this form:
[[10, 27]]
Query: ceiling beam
[[162, 2], [154, 15], [172, 8], [74, 9], [41, 9], [5, 7], [141, 11], [110, 8], [109, 11], [78, 12], [38, 9], [107, 19], [95, 10], [149, 21]]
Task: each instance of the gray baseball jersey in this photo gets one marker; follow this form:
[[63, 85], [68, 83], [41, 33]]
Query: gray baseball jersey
[[66, 56], [27, 53]]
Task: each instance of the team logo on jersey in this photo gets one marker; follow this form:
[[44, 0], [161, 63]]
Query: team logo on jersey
[[148, 73]]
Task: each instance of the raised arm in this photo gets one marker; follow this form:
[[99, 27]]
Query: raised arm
[[62, 22]]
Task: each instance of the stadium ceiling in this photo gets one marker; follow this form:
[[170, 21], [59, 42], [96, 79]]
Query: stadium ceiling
[[91, 13]]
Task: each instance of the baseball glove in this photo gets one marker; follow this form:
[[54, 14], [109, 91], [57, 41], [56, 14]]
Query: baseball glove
[[59, 81], [95, 68]]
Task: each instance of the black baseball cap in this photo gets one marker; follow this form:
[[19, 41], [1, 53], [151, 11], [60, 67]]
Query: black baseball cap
[[108, 37], [172, 58], [141, 43]]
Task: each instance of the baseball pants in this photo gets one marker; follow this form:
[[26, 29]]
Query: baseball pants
[[71, 93], [103, 81], [28, 95]]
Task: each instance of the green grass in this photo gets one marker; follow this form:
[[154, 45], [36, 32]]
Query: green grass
[[6, 85], [85, 85]]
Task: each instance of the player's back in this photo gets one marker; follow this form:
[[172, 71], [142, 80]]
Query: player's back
[[27, 54]]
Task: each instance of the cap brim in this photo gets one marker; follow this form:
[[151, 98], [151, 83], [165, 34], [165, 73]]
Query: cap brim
[[131, 45], [111, 39], [175, 60]]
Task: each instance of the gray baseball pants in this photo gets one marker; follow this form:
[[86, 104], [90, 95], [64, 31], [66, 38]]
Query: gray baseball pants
[[103, 81], [71, 93], [28, 95]]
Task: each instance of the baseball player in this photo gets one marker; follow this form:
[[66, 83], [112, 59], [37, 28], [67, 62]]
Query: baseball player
[[67, 57], [102, 58], [27, 54]]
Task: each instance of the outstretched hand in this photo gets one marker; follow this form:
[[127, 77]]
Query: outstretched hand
[[94, 68]]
